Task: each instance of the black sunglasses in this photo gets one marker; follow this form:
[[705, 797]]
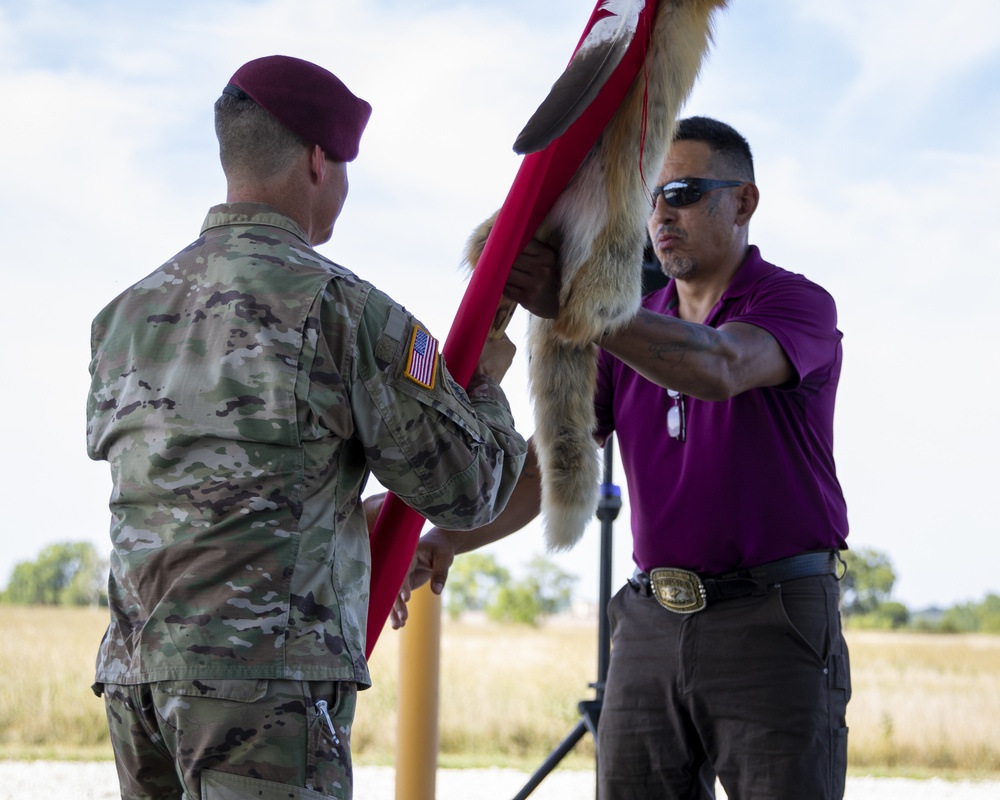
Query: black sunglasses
[[688, 191]]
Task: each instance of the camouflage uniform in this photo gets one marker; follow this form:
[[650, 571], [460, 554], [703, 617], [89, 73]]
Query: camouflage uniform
[[223, 740], [241, 393]]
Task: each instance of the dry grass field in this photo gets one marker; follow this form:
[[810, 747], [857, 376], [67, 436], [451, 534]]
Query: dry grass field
[[506, 690], [923, 704], [47, 709]]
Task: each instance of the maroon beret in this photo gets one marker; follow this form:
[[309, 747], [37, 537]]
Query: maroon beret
[[308, 100]]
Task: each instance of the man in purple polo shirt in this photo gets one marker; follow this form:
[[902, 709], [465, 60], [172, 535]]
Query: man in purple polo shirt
[[727, 654]]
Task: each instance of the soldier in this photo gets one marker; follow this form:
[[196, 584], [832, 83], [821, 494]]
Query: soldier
[[241, 394]]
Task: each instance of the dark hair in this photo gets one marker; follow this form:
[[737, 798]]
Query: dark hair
[[252, 143], [724, 140]]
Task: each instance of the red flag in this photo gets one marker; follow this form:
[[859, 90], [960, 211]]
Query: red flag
[[538, 183]]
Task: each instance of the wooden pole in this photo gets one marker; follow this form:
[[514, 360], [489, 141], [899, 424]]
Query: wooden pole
[[419, 678]]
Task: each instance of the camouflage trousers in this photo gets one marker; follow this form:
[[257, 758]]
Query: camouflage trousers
[[232, 739]]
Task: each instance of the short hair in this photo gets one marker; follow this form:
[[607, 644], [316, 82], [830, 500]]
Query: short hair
[[252, 143], [724, 141]]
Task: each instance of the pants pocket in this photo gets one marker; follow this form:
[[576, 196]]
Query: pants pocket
[[838, 780], [217, 785], [807, 607], [239, 690], [331, 716], [612, 609], [172, 699]]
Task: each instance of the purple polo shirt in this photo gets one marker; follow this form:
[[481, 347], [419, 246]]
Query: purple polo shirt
[[755, 479]]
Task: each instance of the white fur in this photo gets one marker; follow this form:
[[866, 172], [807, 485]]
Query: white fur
[[599, 223]]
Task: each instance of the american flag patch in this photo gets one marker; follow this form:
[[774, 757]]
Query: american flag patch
[[420, 367]]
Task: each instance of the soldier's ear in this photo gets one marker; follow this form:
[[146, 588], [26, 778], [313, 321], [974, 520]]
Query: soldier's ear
[[317, 164]]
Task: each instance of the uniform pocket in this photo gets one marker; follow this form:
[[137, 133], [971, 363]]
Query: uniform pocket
[[237, 690], [226, 786], [331, 717], [173, 699]]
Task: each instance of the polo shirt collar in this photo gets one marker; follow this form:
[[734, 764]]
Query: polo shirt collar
[[750, 271], [747, 274]]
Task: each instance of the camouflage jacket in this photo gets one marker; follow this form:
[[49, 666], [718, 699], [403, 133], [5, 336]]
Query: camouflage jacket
[[241, 393]]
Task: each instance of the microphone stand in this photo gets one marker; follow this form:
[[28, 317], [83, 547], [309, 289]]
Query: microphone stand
[[608, 506]]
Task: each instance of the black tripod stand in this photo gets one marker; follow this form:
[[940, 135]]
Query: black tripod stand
[[607, 510]]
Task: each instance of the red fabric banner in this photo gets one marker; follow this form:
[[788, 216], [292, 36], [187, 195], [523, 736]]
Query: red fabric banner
[[540, 179]]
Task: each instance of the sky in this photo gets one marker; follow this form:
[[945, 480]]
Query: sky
[[875, 126]]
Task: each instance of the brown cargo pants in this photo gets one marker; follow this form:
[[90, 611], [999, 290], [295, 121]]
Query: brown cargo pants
[[753, 690]]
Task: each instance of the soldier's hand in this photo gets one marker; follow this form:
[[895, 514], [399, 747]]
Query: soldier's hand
[[434, 557], [496, 358], [535, 279]]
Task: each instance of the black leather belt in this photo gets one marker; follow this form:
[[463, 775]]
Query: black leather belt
[[685, 592]]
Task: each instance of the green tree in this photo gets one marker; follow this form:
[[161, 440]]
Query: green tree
[[472, 580], [517, 602], [972, 617], [868, 582], [546, 589], [887, 616], [960, 619], [477, 582], [69, 573]]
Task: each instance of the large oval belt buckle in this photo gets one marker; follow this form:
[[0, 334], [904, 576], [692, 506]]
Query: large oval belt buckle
[[678, 590]]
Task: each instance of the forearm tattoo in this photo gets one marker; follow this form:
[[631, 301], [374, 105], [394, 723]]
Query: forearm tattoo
[[695, 339]]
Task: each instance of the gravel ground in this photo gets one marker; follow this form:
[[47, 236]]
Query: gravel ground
[[21, 780]]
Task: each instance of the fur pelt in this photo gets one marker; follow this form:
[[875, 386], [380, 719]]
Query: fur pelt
[[598, 225]]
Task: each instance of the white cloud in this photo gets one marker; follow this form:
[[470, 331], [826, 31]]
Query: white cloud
[[923, 41], [910, 56]]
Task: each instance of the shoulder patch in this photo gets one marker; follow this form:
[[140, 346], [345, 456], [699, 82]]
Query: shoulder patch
[[392, 335], [421, 362], [395, 326]]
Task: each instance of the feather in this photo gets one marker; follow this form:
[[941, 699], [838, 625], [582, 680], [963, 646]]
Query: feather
[[596, 58]]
